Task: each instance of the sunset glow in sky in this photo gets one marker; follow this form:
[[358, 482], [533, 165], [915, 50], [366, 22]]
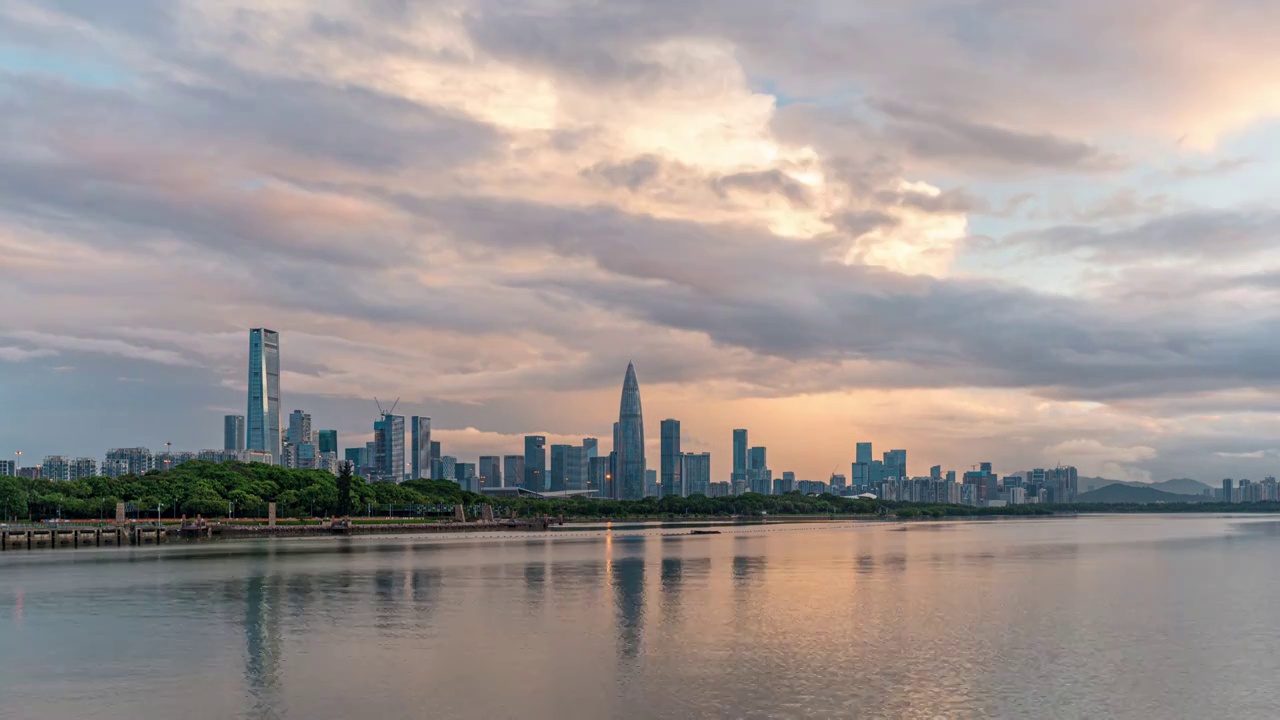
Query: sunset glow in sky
[[976, 229]]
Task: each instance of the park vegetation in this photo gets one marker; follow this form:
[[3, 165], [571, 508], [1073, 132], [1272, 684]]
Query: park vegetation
[[242, 490]]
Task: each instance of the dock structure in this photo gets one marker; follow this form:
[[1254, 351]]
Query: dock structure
[[54, 536]]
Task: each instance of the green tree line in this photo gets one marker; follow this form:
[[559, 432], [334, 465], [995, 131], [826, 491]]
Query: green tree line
[[210, 489]]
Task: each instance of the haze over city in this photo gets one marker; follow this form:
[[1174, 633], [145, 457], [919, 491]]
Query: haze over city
[[978, 231]]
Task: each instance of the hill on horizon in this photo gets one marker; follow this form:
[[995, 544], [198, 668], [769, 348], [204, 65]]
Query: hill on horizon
[[1142, 494], [1177, 486]]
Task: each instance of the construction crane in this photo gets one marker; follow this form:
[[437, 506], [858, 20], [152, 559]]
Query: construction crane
[[386, 411]]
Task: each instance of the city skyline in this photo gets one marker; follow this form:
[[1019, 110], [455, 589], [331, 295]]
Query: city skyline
[[962, 232]]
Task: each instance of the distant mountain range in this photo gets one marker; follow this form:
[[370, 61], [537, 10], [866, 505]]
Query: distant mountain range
[[1177, 486], [1139, 493]]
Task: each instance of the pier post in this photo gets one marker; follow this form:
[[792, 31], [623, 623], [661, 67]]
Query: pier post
[[271, 514], [120, 513]]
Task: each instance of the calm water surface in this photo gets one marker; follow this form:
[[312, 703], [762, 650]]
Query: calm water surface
[[1093, 617]]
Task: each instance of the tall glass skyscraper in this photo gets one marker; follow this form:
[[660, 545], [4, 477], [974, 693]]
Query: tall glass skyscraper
[[628, 440], [420, 447], [233, 432], [863, 453], [512, 470], [740, 451], [535, 463], [670, 460], [388, 440], [490, 470], [262, 422]]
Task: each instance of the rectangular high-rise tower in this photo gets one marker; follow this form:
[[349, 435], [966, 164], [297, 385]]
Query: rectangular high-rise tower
[[672, 476], [420, 447], [262, 422], [388, 440], [512, 470], [233, 433], [535, 462], [490, 471]]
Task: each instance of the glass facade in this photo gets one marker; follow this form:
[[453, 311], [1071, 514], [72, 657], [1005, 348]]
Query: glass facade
[[262, 422], [535, 463], [233, 432], [670, 459], [629, 440], [420, 447]]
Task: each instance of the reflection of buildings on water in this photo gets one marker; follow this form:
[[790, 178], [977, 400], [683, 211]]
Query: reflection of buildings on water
[[263, 645], [627, 577]]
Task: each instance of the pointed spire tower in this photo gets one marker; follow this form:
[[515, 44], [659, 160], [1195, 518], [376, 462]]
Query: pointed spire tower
[[628, 441]]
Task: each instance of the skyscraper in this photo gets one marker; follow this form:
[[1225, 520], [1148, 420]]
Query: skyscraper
[[535, 462], [895, 463], [434, 472], [740, 453], [759, 479], [388, 440], [628, 440], [669, 457], [299, 428], [696, 472], [420, 447], [600, 476], [262, 422], [233, 432], [327, 441], [863, 453], [512, 470], [559, 474], [490, 470]]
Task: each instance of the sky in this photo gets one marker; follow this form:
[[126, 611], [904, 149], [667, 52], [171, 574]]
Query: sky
[[980, 230]]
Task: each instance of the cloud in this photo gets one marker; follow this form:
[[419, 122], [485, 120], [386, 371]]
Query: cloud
[[1203, 233], [17, 354], [1221, 167]]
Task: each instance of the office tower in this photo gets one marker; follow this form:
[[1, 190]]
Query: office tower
[[695, 470], [512, 471], [599, 476], [435, 473], [8, 468], [591, 446], [299, 428], [1226, 490], [56, 468], [137, 460], [358, 457], [651, 487], [83, 468], [628, 440], [759, 479], [299, 431], [935, 472], [448, 468], [951, 476], [577, 465], [559, 473], [306, 456], [327, 441], [420, 447], [1062, 483], [262, 422], [740, 452], [670, 459], [895, 464], [388, 441], [233, 433], [490, 470], [863, 453], [839, 484], [984, 467], [535, 463], [464, 474]]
